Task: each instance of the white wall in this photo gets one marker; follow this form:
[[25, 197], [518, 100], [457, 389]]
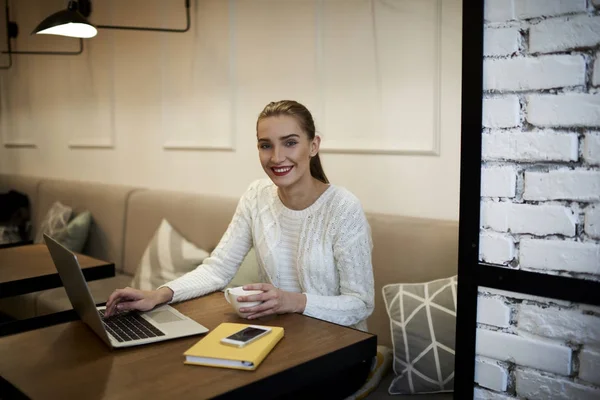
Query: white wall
[[178, 111], [540, 197]]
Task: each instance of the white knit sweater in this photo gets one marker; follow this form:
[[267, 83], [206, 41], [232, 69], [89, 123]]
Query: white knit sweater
[[333, 257]]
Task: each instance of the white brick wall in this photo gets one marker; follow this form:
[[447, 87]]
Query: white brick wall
[[596, 73], [526, 73], [540, 189], [591, 148], [495, 248], [489, 374], [537, 353], [589, 365], [560, 255], [525, 9], [564, 110], [592, 222], [501, 112], [492, 311], [498, 181], [562, 185], [501, 41], [570, 325], [498, 10], [561, 34], [534, 385], [526, 218], [530, 146], [523, 296], [481, 394]]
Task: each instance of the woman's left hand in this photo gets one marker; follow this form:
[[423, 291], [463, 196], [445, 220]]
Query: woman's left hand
[[274, 301]]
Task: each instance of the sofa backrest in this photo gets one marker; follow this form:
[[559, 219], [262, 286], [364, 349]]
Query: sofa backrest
[[199, 218], [106, 203], [408, 250]]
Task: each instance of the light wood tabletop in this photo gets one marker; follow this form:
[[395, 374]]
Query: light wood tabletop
[[29, 268], [69, 361]]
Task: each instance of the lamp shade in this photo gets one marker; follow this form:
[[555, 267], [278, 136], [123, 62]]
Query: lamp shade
[[66, 23]]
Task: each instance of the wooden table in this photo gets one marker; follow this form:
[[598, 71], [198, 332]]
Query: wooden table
[[26, 269], [68, 361]]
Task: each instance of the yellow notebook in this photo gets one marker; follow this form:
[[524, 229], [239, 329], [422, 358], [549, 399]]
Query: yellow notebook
[[210, 351]]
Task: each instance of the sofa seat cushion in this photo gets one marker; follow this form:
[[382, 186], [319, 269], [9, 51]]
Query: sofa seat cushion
[[19, 307], [382, 392], [55, 300]]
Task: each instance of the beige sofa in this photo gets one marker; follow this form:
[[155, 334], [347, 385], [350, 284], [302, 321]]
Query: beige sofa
[[125, 218]]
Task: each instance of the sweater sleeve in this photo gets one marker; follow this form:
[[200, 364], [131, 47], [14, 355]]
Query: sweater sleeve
[[352, 252], [218, 270]]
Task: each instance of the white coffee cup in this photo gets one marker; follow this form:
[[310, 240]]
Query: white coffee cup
[[232, 294]]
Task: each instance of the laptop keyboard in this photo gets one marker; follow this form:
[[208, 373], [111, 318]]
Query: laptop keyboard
[[129, 326]]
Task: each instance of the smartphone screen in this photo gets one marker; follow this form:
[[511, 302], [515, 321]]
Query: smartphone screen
[[246, 334]]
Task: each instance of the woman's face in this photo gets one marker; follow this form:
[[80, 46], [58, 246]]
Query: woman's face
[[285, 150]]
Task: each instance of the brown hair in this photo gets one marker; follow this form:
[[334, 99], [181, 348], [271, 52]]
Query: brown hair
[[307, 124]]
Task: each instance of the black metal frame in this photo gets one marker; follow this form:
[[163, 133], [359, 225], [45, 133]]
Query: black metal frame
[[471, 272], [149, 29]]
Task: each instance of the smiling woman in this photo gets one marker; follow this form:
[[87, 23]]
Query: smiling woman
[[312, 239]]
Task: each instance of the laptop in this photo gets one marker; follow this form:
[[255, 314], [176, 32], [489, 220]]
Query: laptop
[[125, 329]]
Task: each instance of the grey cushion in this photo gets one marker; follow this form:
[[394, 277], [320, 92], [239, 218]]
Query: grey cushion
[[55, 221], [75, 234], [423, 323]]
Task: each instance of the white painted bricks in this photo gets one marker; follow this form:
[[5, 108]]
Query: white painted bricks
[[492, 311], [560, 34], [530, 146], [560, 255], [482, 394], [501, 41], [562, 185], [527, 73], [571, 325], [490, 375], [589, 365], [525, 9], [534, 385], [526, 218], [498, 10], [498, 181], [592, 222], [591, 148], [501, 112], [523, 296], [537, 353], [540, 192], [596, 73], [496, 248], [569, 109]]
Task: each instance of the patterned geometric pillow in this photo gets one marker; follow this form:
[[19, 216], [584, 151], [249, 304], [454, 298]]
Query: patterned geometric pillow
[[56, 219], [167, 257], [423, 323]]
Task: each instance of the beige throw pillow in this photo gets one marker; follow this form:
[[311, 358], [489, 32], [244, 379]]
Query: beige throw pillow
[[423, 325], [168, 256]]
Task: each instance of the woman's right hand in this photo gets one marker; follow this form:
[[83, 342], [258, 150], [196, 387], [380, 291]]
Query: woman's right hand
[[133, 299]]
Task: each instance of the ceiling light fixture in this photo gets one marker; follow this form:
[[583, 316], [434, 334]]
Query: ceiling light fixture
[[73, 22]]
